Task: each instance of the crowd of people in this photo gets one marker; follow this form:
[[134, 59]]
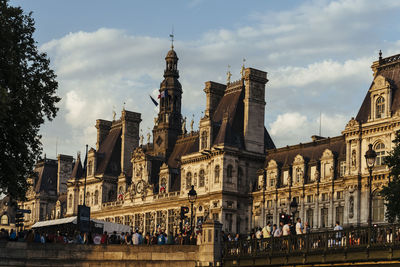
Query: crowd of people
[[128, 238]]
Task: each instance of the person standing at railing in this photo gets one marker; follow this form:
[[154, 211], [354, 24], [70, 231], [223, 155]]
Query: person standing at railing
[[338, 228]]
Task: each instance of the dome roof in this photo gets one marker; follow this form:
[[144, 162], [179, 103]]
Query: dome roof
[[171, 54]]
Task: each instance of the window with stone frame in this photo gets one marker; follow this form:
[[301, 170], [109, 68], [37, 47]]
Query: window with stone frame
[[216, 174], [229, 173], [201, 178], [204, 137], [188, 180], [339, 214], [339, 195], [310, 217], [378, 213], [380, 153], [310, 198], [96, 197], [148, 222], [380, 107], [87, 200], [299, 174], [324, 217], [137, 221], [324, 197], [342, 171]]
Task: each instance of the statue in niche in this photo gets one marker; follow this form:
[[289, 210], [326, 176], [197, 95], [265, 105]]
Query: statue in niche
[[184, 126], [354, 158], [351, 207]]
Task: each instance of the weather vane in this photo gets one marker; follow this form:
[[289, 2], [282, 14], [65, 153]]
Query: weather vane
[[172, 38]]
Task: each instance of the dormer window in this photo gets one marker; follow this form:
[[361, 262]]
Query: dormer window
[[204, 140], [380, 108]]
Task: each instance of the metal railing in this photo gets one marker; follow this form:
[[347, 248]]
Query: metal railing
[[347, 239]]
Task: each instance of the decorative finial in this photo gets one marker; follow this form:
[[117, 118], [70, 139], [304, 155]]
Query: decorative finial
[[123, 106], [380, 54], [172, 38], [114, 114], [228, 75], [192, 123], [242, 70]]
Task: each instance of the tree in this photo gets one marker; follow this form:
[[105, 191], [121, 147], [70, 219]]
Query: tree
[[391, 192], [27, 98]]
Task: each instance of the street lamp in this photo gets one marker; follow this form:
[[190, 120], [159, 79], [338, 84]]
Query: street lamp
[[293, 208], [370, 157], [192, 196]]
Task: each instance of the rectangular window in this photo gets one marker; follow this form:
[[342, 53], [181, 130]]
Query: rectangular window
[[324, 197], [324, 217], [282, 202], [339, 195], [310, 217], [271, 182], [285, 177], [138, 223], [171, 220], [215, 216], [310, 198], [148, 225], [269, 203], [297, 200], [339, 214], [342, 168]]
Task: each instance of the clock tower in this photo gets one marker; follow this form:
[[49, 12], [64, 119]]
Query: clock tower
[[168, 124]]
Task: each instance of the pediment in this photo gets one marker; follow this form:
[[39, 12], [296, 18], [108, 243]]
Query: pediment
[[380, 82]]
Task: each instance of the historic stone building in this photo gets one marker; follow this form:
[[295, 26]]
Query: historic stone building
[[240, 177], [328, 176], [46, 196], [144, 185]]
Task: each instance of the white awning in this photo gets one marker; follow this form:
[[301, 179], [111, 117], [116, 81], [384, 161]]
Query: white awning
[[55, 222], [110, 227]]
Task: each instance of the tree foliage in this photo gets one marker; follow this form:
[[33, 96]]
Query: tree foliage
[[391, 192], [27, 98]]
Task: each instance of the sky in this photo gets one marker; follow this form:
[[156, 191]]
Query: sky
[[106, 53]]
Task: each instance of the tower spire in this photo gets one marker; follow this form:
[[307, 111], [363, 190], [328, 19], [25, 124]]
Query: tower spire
[[172, 38]]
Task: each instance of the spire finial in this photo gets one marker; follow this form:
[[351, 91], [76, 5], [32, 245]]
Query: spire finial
[[172, 38], [228, 74], [380, 54], [242, 70]]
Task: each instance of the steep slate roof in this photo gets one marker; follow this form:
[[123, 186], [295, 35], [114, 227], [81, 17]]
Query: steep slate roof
[[183, 146], [77, 171], [46, 176], [390, 69], [230, 131], [109, 152], [310, 151]]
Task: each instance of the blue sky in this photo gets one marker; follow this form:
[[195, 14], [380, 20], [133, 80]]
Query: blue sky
[[317, 54]]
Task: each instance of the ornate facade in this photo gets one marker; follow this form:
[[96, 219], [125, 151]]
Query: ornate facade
[[240, 177], [328, 176]]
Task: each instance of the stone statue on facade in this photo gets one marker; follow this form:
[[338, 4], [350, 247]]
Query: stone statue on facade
[[191, 124], [141, 139], [184, 126], [148, 137]]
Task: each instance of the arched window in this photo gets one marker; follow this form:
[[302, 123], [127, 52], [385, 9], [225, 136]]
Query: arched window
[[70, 201], [4, 219], [240, 177], [216, 174], [380, 153], [188, 180], [204, 140], [229, 172], [96, 197], [378, 214], [380, 107], [90, 168], [201, 178]]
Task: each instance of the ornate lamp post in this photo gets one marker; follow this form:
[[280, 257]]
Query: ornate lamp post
[[370, 157], [293, 208], [192, 196]]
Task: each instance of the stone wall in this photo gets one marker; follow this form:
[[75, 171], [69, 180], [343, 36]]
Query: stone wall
[[32, 254]]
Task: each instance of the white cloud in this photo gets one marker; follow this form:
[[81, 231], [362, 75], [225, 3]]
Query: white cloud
[[317, 57], [292, 127]]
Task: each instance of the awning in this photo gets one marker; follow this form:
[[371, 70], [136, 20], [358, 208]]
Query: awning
[[55, 222]]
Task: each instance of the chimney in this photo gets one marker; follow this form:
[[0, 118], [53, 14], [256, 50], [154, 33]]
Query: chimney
[[103, 127], [130, 136], [64, 171], [214, 92], [254, 109]]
